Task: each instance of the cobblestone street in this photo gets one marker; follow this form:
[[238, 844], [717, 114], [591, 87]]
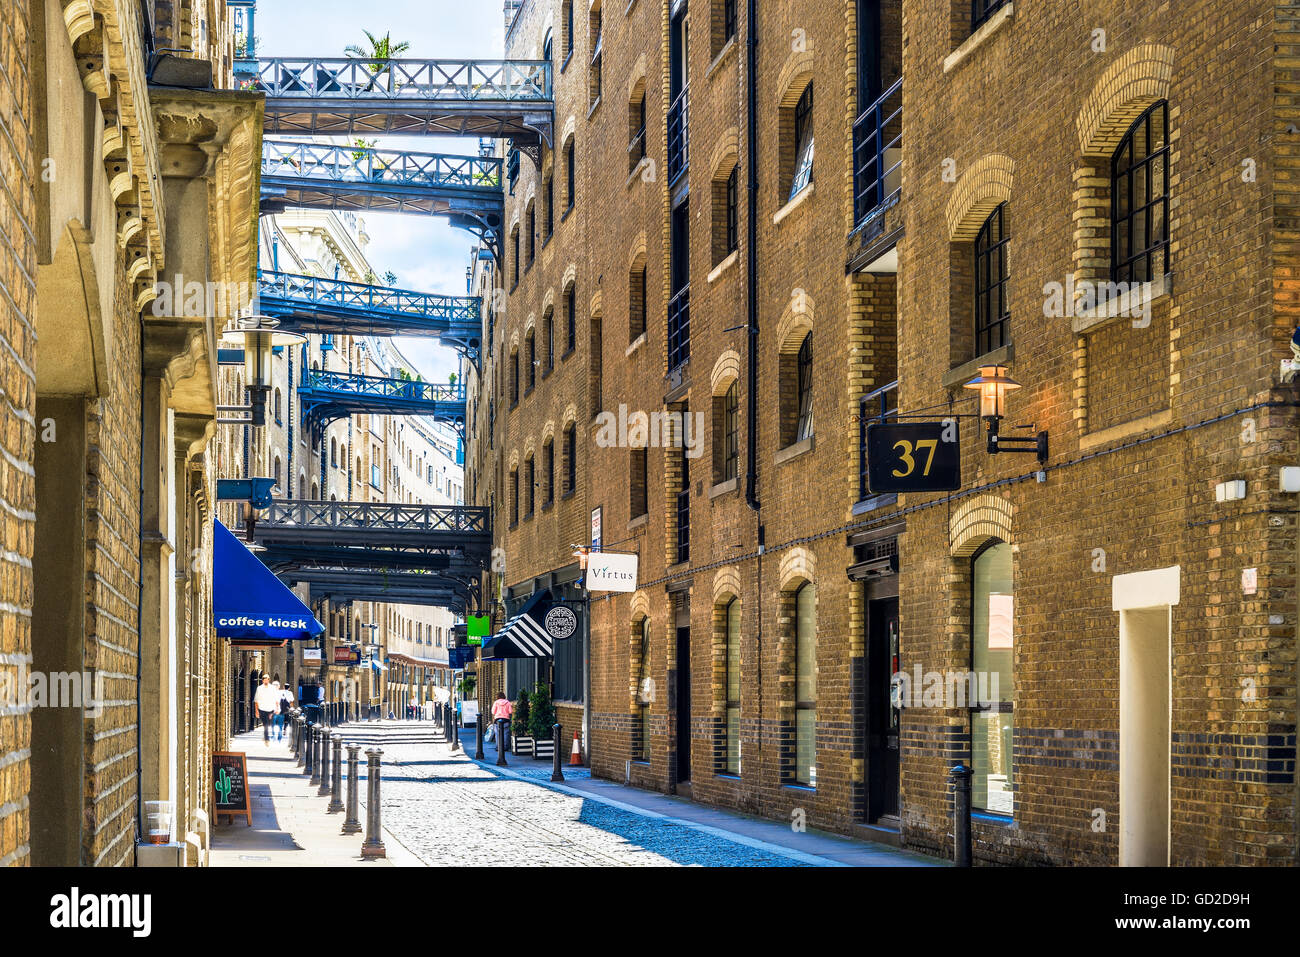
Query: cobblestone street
[[446, 809]]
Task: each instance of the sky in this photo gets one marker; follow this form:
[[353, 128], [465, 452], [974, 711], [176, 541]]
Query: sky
[[425, 252]]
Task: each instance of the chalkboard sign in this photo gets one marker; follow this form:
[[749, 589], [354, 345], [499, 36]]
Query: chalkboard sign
[[230, 781]]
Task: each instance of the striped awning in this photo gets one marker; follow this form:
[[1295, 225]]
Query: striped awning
[[523, 636]]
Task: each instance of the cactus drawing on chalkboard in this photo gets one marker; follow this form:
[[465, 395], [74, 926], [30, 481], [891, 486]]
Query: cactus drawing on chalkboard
[[224, 785]]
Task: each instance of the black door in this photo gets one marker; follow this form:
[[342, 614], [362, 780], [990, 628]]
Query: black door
[[683, 704], [882, 716]]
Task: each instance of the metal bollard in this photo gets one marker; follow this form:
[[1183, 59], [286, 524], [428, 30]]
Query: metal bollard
[[336, 775], [455, 730], [478, 738], [446, 727], [556, 773], [353, 823], [501, 742], [324, 788], [959, 781], [309, 752], [293, 735], [374, 844]]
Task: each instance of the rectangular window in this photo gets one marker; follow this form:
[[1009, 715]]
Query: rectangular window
[[803, 142], [638, 504], [644, 694], [636, 306], [548, 205], [733, 687], [549, 466], [531, 359], [530, 486], [728, 19], [571, 318], [805, 691], [568, 668], [570, 459], [730, 433], [514, 497], [571, 170], [981, 10], [733, 238]]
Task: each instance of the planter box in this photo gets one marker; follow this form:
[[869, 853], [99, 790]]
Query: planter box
[[522, 745], [543, 748]]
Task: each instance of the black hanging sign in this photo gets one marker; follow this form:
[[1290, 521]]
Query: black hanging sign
[[913, 457]]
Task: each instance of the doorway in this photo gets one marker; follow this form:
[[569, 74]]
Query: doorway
[[882, 717]]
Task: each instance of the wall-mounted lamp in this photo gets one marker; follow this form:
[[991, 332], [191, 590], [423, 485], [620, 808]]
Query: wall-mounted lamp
[[993, 384]]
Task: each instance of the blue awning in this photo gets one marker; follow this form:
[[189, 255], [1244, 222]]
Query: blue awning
[[248, 602]]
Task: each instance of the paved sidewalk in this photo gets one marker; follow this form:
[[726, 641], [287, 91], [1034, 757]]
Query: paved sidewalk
[[291, 827]]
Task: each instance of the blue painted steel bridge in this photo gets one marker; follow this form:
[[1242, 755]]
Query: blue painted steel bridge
[[327, 396]]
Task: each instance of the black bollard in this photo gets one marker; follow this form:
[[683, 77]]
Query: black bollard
[[501, 742], [556, 773], [455, 730], [374, 843], [353, 823], [959, 781], [309, 752], [336, 775], [478, 738]]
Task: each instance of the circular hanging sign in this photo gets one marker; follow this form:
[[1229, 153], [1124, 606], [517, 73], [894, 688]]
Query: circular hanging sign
[[561, 622]]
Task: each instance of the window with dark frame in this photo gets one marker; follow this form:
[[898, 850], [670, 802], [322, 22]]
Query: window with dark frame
[[805, 369], [728, 20], [730, 432], [803, 142], [638, 484], [514, 378], [531, 360], [992, 309], [568, 30], [1139, 232], [530, 483], [570, 459], [530, 221], [548, 464], [548, 335], [548, 205], [571, 318], [514, 256], [981, 10], [570, 160], [733, 205], [636, 306], [514, 497]]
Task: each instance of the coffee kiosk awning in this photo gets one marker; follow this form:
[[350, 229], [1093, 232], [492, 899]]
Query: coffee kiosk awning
[[248, 602]]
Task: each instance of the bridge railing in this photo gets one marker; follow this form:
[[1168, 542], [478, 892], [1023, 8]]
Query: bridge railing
[[360, 165], [359, 295], [468, 81], [375, 515], [382, 387]]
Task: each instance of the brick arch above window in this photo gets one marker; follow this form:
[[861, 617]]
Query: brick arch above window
[[796, 322], [569, 277], [593, 309], [548, 431], [638, 250], [570, 126], [979, 190], [726, 584], [640, 606], [798, 565], [976, 521], [530, 447], [725, 371], [548, 301], [1129, 85], [570, 415], [726, 154], [530, 323], [636, 83], [795, 75], [514, 341]]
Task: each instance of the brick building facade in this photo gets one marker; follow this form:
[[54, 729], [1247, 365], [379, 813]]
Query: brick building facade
[[972, 155]]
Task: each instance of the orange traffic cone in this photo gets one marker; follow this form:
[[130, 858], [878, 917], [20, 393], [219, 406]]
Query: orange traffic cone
[[575, 756]]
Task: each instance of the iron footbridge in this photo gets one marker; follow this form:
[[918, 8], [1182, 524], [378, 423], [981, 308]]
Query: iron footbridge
[[465, 189], [314, 96], [327, 396]]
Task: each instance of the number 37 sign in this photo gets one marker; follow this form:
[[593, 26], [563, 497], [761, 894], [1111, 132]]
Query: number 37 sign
[[913, 457]]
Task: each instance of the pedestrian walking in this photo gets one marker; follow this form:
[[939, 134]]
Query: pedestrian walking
[[282, 719], [503, 707], [267, 702]]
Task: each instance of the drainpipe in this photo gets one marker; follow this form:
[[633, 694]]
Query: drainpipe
[[751, 252]]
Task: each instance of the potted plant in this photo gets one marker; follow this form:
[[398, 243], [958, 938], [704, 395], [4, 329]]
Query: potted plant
[[541, 720], [520, 733]]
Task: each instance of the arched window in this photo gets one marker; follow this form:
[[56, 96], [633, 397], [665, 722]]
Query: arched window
[[571, 172], [514, 378], [636, 300], [530, 360], [302, 486], [570, 458], [636, 127], [548, 48], [277, 406], [530, 486], [530, 229], [991, 307], [796, 388], [548, 471], [277, 476], [1139, 170], [733, 686], [990, 693], [315, 492], [805, 684], [334, 453]]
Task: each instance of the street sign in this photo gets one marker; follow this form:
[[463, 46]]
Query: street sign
[[612, 571], [311, 654], [913, 457], [596, 522], [347, 656]]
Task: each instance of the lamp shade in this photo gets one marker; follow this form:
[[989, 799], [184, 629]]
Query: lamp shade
[[992, 384]]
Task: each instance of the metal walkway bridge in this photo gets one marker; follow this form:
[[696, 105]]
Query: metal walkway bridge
[[327, 396], [506, 99], [336, 307], [465, 189], [378, 551]]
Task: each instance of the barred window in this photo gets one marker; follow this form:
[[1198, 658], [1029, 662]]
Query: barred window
[[733, 687], [991, 308], [805, 639], [1139, 231]]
